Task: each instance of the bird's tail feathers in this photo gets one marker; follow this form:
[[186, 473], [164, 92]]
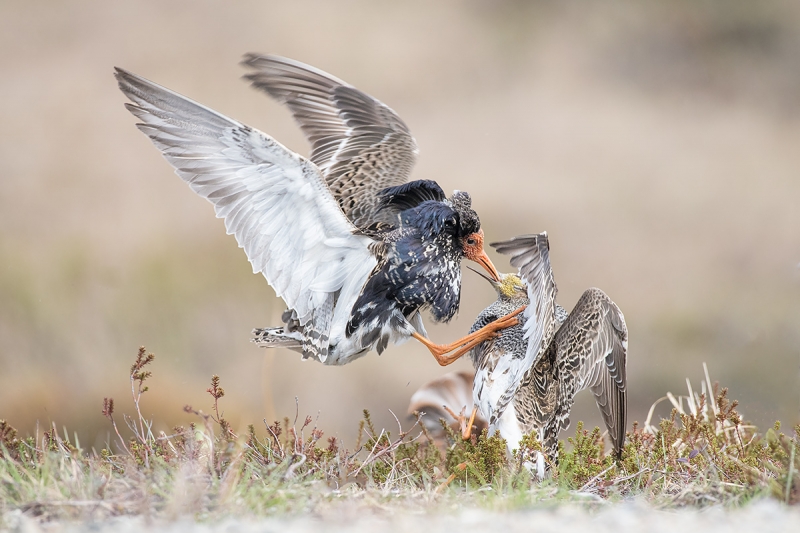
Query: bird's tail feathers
[[278, 338]]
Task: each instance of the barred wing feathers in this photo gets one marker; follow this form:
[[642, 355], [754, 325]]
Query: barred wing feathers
[[595, 346], [360, 144]]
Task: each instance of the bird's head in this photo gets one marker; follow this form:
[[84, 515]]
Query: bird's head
[[508, 286], [456, 219], [511, 286], [470, 233]]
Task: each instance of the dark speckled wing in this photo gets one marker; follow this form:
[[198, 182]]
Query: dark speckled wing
[[592, 348], [360, 145]]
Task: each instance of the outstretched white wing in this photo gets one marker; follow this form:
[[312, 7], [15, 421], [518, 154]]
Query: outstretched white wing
[[531, 255], [275, 202]]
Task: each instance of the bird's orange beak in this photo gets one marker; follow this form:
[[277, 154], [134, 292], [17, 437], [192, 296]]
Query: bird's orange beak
[[473, 250], [483, 260]]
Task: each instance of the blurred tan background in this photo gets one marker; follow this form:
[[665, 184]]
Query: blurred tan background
[[658, 145]]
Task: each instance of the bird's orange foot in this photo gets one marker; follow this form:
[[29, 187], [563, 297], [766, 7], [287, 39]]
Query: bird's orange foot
[[461, 418], [441, 352]]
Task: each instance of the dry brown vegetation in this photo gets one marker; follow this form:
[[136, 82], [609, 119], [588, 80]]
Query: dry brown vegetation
[[703, 454]]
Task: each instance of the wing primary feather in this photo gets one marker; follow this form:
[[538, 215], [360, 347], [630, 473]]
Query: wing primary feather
[[530, 254], [593, 345], [273, 201], [360, 144]]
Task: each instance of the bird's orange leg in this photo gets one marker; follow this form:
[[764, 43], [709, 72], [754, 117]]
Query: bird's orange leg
[[466, 431], [461, 418], [452, 413], [441, 352], [440, 488]]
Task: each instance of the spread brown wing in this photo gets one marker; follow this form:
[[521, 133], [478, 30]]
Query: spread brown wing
[[592, 345], [360, 145]]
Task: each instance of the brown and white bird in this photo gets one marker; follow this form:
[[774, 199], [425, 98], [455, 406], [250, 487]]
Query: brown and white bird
[[448, 398], [527, 377], [355, 252]]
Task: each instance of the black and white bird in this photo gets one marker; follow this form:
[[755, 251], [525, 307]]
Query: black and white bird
[[355, 252], [526, 378]]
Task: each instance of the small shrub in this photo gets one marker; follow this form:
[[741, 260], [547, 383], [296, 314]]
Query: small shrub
[[705, 452]]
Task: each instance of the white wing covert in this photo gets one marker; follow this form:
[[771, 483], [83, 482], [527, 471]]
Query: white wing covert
[[531, 255], [273, 201]]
